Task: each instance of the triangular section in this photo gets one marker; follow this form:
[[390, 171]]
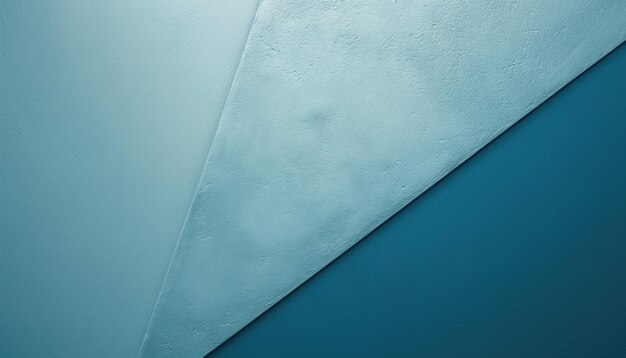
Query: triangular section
[[531, 265], [341, 114]]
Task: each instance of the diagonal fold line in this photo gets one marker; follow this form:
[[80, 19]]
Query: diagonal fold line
[[199, 178]]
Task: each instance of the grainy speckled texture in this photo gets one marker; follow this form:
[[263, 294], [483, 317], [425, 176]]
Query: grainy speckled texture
[[341, 113], [107, 113]]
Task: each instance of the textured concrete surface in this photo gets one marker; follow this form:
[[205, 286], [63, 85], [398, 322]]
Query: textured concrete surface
[[532, 264], [342, 113], [107, 112]]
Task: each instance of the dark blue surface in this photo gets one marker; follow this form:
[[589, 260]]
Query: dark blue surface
[[520, 252]]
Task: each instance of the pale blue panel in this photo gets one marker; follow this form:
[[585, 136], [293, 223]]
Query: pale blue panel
[[341, 113], [107, 112]]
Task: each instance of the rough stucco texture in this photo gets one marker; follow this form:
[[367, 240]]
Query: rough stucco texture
[[342, 113], [107, 112]]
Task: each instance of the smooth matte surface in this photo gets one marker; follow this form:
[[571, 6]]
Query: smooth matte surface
[[107, 112], [517, 253], [341, 113]]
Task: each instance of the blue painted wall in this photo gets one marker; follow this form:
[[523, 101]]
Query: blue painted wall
[[107, 112], [520, 252]]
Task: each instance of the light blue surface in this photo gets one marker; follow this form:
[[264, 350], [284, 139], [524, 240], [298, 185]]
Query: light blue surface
[[518, 253], [340, 114], [107, 112]]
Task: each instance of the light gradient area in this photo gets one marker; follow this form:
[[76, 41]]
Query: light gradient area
[[342, 113], [107, 112]]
